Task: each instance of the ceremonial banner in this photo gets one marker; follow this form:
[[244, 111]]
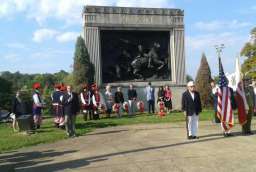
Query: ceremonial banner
[[224, 108]]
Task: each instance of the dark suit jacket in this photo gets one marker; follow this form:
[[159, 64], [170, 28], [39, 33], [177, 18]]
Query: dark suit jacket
[[119, 97], [71, 106], [189, 105]]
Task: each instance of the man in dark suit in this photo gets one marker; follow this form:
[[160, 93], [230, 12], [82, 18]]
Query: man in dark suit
[[71, 108], [249, 95], [191, 105]]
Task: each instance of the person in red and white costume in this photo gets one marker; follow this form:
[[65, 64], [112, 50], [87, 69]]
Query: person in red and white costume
[[37, 105], [87, 104], [59, 119]]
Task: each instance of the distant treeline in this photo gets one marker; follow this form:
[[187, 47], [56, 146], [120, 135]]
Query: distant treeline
[[10, 83]]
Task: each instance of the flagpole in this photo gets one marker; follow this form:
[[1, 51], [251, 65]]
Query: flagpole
[[219, 49]]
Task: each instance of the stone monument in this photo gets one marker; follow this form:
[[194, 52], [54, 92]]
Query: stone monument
[[136, 45]]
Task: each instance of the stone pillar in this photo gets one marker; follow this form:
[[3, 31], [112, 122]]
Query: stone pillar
[[92, 42], [179, 56], [172, 57]]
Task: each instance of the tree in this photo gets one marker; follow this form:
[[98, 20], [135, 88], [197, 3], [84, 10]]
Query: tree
[[5, 94], [249, 51], [189, 78], [203, 79], [82, 68]]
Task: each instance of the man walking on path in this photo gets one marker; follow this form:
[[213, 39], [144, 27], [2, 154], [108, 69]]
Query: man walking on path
[[191, 105]]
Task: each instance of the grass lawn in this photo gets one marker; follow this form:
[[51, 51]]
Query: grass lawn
[[10, 140]]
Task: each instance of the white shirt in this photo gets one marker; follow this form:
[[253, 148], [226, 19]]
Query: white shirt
[[36, 100], [215, 89], [192, 95]]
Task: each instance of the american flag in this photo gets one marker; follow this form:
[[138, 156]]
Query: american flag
[[224, 108]]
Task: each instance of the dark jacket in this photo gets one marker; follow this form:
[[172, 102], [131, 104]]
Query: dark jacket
[[71, 105], [232, 97], [18, 107], [189, 105], [119, 97], [132, 94], [249, 95]]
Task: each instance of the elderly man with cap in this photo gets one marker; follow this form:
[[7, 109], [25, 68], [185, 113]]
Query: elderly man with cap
[[191, 105]]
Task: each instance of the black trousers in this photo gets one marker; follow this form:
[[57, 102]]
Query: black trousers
[[151, 106]]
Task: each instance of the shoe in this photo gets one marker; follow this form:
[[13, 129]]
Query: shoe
[[72, 136], [229, 134], [195, 137], [190, 137]]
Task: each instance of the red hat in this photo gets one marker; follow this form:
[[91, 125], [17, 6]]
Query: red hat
[[36, 85], [94, 86], [63, 88]]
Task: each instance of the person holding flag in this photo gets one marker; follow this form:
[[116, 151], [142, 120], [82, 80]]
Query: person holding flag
[[243, 89], [249, 95], [226, 103]]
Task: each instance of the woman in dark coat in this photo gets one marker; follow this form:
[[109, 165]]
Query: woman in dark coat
[[160, 94], [18, 109]]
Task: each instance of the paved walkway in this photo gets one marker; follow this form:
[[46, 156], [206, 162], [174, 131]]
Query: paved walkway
[[140, 148]]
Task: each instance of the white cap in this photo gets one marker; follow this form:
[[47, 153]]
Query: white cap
[[190, 84]]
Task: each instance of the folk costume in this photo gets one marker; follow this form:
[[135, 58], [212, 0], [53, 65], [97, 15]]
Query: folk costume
[[168, 99], [59, 119], [37, 106], [87, 103], [96, 99]]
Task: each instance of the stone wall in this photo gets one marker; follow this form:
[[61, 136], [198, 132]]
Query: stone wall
[[98, 18], [176, 91]]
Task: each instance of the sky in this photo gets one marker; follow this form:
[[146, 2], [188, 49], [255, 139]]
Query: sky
[[38, 36]]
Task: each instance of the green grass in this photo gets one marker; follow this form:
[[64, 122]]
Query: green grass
[[12, 140]]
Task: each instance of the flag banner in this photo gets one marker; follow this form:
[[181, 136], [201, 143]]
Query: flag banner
[[242, 106], [224, 108]]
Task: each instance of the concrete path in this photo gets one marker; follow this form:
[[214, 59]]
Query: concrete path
[[140, 148]]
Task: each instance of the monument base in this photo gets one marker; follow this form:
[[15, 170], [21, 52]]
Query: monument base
[[176, 94]]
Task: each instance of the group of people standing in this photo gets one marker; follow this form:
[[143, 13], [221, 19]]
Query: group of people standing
[[191, 105]]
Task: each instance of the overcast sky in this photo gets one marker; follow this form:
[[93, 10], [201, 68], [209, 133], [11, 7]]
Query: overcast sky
[[38, 36]]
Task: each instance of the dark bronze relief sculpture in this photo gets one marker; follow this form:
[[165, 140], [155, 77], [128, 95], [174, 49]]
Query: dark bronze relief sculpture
[[135, 55]]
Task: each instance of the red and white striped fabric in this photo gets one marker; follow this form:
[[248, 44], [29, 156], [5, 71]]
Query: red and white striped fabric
[[224, 108], [242, 106], [242, 103]]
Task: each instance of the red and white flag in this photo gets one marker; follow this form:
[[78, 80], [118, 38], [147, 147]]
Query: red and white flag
[[224, 108], [242, 106]]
